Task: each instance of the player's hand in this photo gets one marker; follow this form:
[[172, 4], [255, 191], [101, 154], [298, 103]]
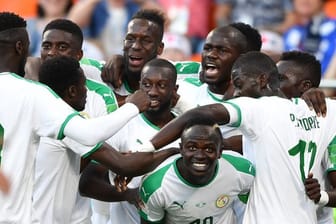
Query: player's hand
[[134, 198], [312, 188], [140, 99], [4, 183], [113, 70], [121, 182], [315, 99]]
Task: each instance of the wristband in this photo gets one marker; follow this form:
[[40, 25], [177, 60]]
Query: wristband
[[324, 199], [147, 146]]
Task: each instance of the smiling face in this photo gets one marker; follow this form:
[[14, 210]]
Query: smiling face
[[58, 42], [219, 53], [142, 43], [158, 83], [200, 149]]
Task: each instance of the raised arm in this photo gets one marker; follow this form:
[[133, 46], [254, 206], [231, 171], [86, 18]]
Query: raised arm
[[173, 129], [133, 164], [93, 131]]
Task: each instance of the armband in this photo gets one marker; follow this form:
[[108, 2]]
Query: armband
[[147, 146], [324, 199]]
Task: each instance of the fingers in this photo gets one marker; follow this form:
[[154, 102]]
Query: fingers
[[121, 182], [312, 188], [315, 100]]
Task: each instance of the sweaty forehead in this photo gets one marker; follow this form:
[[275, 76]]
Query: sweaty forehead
[[142, 25], [226, 34]]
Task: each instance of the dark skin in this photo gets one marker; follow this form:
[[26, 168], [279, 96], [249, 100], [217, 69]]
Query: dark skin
[[221, 49], [158, 83], [14, 50], [54, 43], [201, 147], [295, 83], [142, 43]]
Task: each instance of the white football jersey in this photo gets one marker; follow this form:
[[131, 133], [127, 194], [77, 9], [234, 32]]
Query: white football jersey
[[288, 140], [130, 138], [169, 197], [30, 110]]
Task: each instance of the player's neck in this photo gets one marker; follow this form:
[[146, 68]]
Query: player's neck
[[225, 89], [159, 119]]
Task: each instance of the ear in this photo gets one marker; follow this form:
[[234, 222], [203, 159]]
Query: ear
[[305, 85], [19, 48], [72, 92], [79, 55], [263, 81], [160, 48], [175, 96]]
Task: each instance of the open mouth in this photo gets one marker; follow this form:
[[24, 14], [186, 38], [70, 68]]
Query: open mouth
[[211, 69], [154, 103], [135, 60], [200, 166]]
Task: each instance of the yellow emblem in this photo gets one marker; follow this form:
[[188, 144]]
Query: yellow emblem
[[222, 201]]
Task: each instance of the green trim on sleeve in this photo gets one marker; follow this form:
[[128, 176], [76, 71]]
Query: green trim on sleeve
[[241, 164], [238, 123], [93, 62], [187, 67], [144, 216], [61, 135], [92, 150], [153, 182], [105, 92], [193, 81]]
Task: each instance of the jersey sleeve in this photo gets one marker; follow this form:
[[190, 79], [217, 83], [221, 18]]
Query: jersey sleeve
[[153, 210], [51, 113], [83, 150]]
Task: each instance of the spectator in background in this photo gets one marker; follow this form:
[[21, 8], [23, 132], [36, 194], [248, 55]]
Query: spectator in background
[[176, 47], [272, 44], [105, 21], [47, 10], [315, 33], [276, 15], [189, 17]]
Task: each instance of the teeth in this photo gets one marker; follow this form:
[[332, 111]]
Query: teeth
[[199, 164]]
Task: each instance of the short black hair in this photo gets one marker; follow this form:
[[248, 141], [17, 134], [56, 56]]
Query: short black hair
[[163, 63], [67, 26], [252, 35], [203, 121], [9, 20], [311, 67], [152, 15], [257, 63], [59, 73]]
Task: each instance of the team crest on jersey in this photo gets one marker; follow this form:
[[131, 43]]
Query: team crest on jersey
[[222, 201]]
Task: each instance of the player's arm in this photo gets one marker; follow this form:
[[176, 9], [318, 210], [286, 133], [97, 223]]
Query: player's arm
[[173, 129], [94, 183], [332, 193], [4, 183], [133, 164], [92, 131]]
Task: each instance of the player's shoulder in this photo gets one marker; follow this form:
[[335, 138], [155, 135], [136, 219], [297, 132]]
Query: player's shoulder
[[154, 181], [92, 62], [238, 162], [187, 69]]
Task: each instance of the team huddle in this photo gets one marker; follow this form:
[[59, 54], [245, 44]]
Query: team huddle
[[236, 138]]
